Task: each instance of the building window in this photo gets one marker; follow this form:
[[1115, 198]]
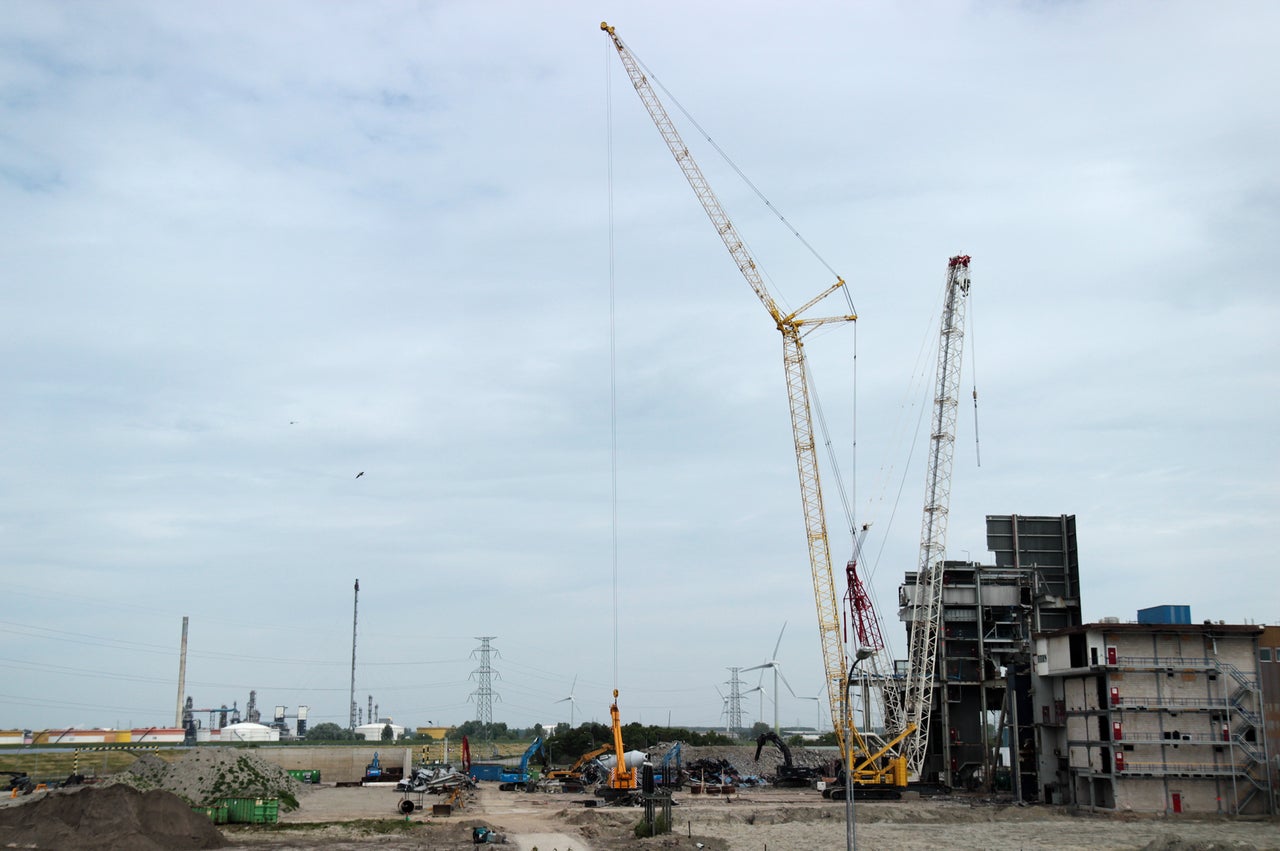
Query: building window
[[1264, 654]]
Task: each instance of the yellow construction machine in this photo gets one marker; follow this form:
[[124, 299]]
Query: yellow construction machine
[[578, 774], [622, 780], [878, 769]]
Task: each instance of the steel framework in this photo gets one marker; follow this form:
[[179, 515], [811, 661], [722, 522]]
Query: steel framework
[[926, 613]]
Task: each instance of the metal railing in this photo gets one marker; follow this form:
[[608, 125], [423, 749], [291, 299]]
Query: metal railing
[[1186, 663], [1183, 769], [1127, 701], [1163, 739]]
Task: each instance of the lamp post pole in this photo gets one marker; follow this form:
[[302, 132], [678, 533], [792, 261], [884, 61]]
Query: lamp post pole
[[850, 837]]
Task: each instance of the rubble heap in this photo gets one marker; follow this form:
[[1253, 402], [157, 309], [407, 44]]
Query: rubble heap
[[206, 775], [736, 764]]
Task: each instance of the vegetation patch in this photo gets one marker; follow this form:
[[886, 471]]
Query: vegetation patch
[[208, 775]]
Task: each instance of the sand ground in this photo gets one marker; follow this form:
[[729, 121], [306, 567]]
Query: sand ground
[[761, 819]]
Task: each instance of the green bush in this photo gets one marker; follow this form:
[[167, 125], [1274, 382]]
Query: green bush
[[660, 825]]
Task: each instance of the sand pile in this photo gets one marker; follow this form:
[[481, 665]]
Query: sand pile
[[207, 774], [107, 819]]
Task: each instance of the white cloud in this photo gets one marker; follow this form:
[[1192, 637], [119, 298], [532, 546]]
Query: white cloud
[[251, 251]]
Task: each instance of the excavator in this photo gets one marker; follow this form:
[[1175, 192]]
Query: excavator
[[788, 775], [512, 779], [584, 771]]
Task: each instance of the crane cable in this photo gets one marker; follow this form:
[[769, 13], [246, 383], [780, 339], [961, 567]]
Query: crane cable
[[729, 161], [973, 371], [796, 233], [915, 389], [847, 502], [835, 466], [613, 359]]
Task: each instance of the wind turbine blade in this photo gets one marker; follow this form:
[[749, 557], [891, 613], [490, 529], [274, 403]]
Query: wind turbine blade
[[575, 684], [759, 667], [784, 681], [779, 644]]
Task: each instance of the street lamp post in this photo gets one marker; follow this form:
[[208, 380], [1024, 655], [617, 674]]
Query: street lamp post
[[850, 839]]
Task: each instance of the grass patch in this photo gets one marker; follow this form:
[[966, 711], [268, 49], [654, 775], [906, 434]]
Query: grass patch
[[660, 826], [56, 765]]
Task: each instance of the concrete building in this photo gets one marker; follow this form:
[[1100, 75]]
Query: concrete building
[[1269, 677], [437, 733], [1154, 718], [100, 736]]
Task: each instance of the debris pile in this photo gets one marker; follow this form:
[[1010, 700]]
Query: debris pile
[[435, 779], [206, 775], [736, 764], [106, 819], [709, 771]]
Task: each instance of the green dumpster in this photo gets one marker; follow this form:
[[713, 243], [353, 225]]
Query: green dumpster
[[252, 810], [218, 813]]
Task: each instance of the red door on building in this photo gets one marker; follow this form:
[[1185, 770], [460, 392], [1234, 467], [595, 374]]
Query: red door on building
[[1177, 801]]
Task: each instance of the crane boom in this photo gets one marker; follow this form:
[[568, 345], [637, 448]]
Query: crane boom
[[790, 325], [927, 604]]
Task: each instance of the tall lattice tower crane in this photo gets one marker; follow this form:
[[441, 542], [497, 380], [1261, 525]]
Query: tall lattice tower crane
[[793, 328], [926, 606]]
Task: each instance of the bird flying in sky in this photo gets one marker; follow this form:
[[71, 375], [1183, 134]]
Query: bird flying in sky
[[359, 474]]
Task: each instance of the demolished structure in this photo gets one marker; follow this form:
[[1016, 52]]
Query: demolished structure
[[1156, 716]]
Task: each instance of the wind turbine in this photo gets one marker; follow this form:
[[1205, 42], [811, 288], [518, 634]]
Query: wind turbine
[[773, 663], [763, 695], [573, 701], [817, 703]]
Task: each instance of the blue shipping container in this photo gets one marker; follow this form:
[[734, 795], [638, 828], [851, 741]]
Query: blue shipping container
[[1165, 614], [487, 770]]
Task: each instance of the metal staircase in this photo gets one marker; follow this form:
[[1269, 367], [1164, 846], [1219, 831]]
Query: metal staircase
[[1244, 732]]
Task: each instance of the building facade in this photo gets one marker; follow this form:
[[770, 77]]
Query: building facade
[[1269, 677], [1155, 718]]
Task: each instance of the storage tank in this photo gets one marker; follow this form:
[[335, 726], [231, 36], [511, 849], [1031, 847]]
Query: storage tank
[[373, 732], [247, 731], [633, 759]]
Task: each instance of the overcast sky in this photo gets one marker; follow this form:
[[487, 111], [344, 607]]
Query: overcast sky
[[251, 250]]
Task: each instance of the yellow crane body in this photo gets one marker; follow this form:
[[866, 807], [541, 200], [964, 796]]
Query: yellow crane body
[[882, 765], [621, 778]]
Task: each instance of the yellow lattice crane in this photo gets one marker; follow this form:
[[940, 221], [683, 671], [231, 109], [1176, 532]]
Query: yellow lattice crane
[[880, 767]]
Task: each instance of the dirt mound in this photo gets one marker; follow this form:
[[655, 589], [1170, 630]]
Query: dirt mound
[[149, 771], [106, 819], [208, 774]]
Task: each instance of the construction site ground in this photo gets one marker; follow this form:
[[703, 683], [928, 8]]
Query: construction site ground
[[141, 808], [759, 819]]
